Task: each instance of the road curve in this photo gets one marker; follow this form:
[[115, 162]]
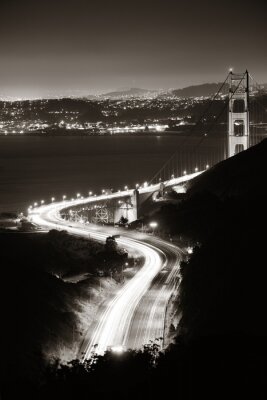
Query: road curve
[[136, 314]]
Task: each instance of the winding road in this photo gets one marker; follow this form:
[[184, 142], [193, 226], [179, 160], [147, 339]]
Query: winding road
[[136, 313]]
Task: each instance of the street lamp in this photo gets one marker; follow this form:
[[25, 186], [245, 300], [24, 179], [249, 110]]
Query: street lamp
[[35, 204], [196, 169], [184, 172], [126, 187], [207, 166], [64, 197], [42, 201], [52, 199], [153, 225], [78, 195]]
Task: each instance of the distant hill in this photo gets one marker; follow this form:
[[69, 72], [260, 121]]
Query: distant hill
[[132, 92], [206, 89]]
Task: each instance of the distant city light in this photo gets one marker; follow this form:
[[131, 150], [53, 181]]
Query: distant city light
[[52, 199]]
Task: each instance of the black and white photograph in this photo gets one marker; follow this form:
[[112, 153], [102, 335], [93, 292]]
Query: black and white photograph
[[133, 201]]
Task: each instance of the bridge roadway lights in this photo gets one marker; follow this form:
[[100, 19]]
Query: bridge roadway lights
[[127, 204]]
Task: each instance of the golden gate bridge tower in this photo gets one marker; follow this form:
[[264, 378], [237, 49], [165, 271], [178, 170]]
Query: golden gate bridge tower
[[238, 115]]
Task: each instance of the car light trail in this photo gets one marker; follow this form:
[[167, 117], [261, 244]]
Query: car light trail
[[116, 327]]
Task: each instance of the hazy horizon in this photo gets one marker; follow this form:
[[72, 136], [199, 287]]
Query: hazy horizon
[[54, 47]]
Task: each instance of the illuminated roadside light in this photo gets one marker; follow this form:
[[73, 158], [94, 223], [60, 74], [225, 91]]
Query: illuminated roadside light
[[119, 201], [103, 191], [95, 195], [190, 250], [207, 166], [184, 172], [117, 349], [126, 187], [153, 225], [172, 176], [90, 193], [42, 201], [82, 197], [196, 169], [78, 195], [52, 199], [230, 69], [137, 185], [64, 197], [35, 204], [145, 184]]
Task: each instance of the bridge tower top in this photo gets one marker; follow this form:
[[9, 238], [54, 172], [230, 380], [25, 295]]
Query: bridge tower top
[[238, 113]]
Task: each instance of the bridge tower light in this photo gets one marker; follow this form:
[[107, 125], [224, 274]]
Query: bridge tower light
[[238, 113]]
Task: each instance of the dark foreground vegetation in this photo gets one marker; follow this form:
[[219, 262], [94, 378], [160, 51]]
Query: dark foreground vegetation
[[46, 279], [220, 345]]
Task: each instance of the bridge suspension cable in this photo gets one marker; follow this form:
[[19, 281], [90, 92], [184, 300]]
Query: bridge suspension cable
[[188, 159]]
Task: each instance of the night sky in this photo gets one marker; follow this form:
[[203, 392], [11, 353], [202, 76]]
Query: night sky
[[54, 47]]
